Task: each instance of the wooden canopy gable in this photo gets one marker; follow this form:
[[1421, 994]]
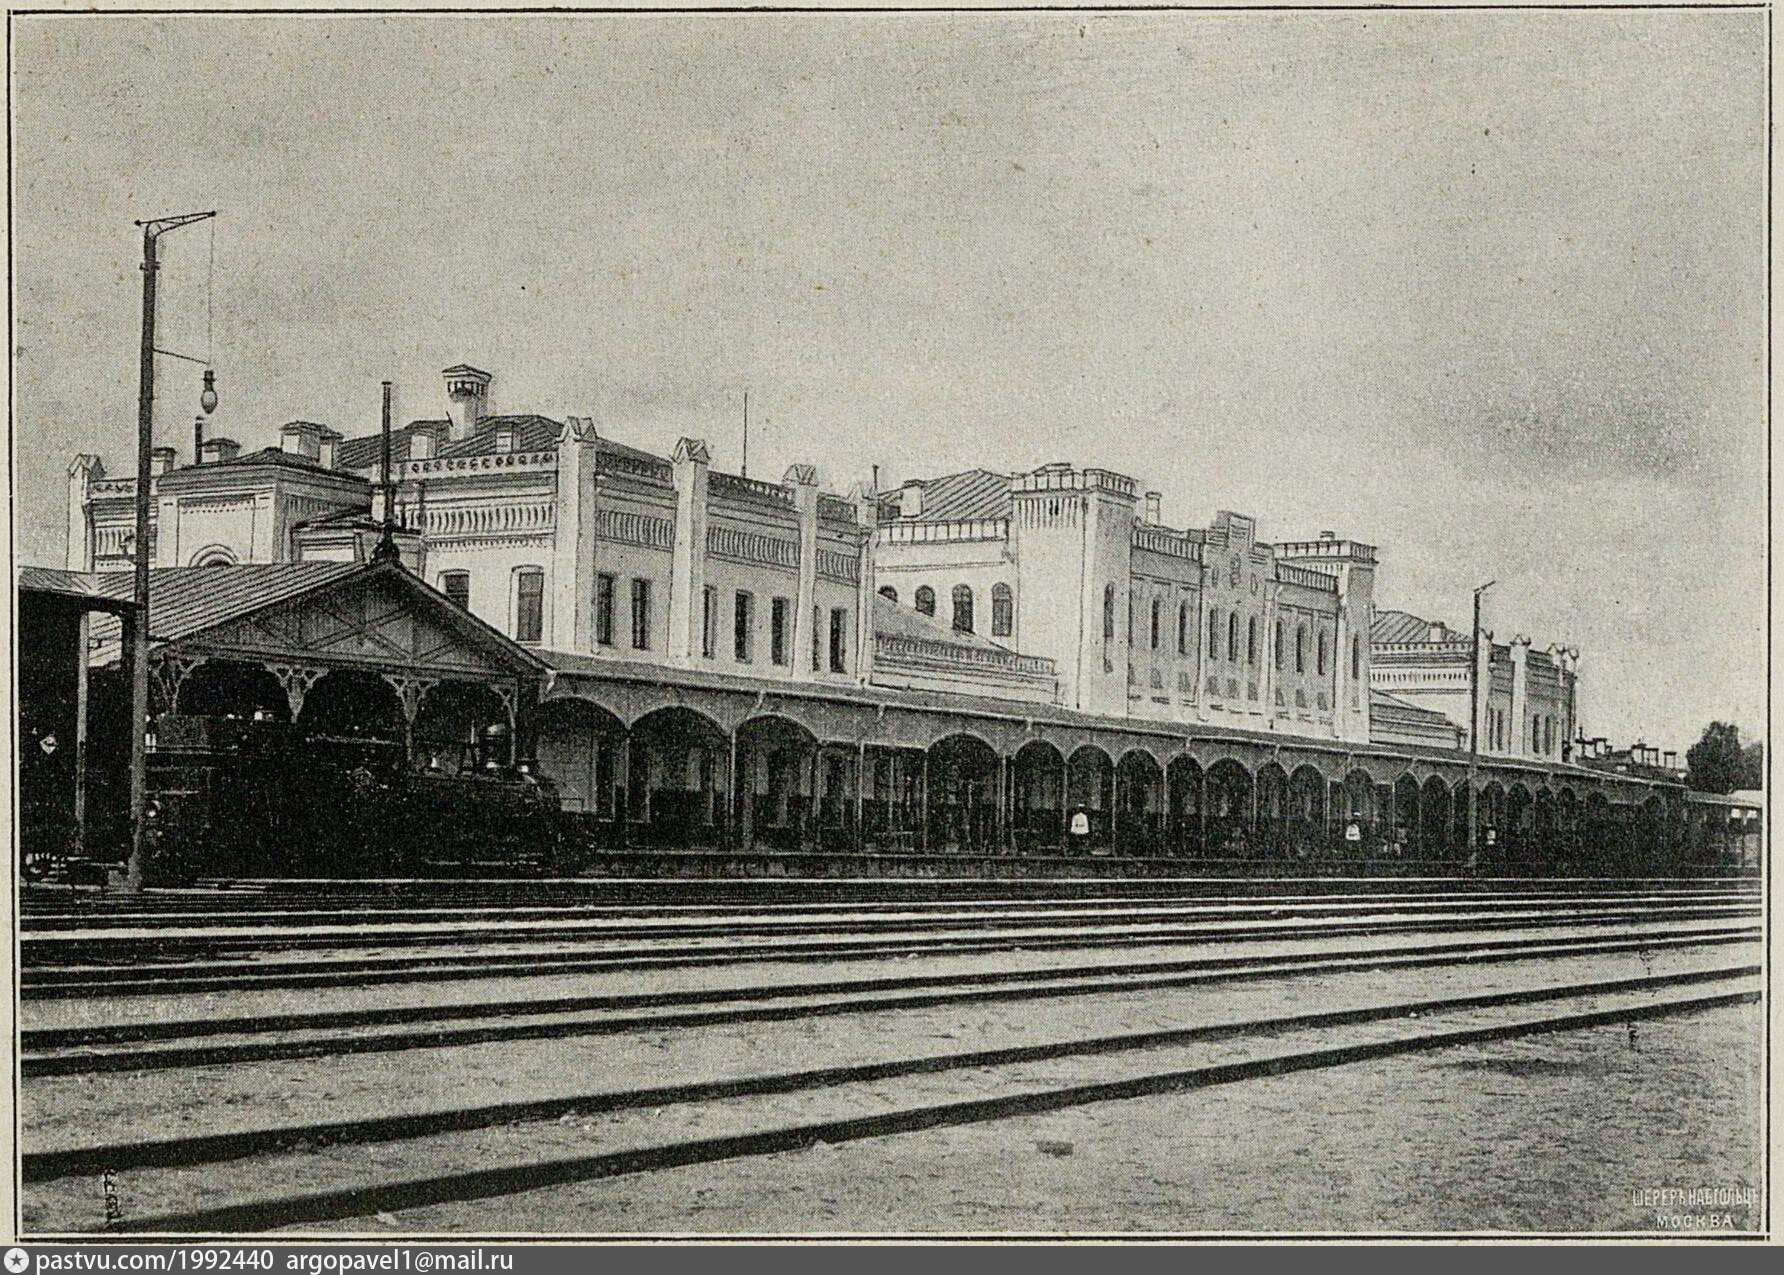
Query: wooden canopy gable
[[378, 618]]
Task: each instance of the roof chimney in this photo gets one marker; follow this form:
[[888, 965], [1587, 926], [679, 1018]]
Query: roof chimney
[[424, 440], [910, 499], [219, 451], [467, 393], [1154, 507], [1328, 535], [301, 438], [160, 460]]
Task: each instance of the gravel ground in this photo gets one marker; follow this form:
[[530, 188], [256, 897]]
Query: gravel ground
[[1549, 1134], [79, 1111], [98, 1108]]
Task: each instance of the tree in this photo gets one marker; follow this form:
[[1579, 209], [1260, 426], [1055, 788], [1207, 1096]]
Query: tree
[[1753, 755], [1717, 763]]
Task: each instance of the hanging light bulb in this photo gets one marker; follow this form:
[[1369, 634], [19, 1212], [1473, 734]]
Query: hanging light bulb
[[208, 399]]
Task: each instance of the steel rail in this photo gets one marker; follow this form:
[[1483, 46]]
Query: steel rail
[[485, 1183]]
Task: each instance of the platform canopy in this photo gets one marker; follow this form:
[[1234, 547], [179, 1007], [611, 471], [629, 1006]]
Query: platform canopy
[[302, 620]]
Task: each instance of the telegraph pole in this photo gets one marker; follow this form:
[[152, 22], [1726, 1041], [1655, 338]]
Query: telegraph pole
[[139, 637], [1474, 727]]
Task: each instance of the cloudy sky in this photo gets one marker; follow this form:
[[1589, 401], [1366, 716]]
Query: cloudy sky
[[1486, 290]]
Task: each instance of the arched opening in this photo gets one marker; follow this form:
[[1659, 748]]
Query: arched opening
[[1090, 789], [1600, 851], [963, 796], [892, 804], [1567, 832], [1492, 830], [349, 740], [1306, 813], [1434, 820], [889, 593], [1520, 825], [677, 782], [1140, 828], [925, 600], [963, 608], [1357, 814], [579, 747], [232, 690], [1403, 843], [1461, 847], [1037, 776], [352, 705], [1650, 838], [1003, 610], [463, 727], [775, 785], [1183, 783], [1272, 811], [214, 556], [1229, 796], [1542, 852]]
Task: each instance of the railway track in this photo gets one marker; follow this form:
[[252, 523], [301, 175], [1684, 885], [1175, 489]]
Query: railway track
[[230, 912], [483, 1151], [164, 1044], [220, 958]]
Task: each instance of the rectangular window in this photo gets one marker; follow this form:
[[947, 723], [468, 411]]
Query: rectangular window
[[777, 631], [743, 628], [839, 619], [604, 609], [529, 605], [640, 614], [456, 585], [817, 640], [709, 623]]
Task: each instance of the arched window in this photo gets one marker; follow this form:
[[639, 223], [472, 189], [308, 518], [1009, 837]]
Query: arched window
[[1233, 637], [926, 600], [1003, 610], [1356, 657], [1183, 629], [1251, 640], [1156, 610], [1278, 648], [963, 609], [1213, 634], [1301, 649], [889, 593], [1322, 652], [1108, 613]]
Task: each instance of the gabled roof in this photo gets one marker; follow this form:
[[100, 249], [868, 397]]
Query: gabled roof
[[1404, 626], [532, 433], [972, 493], [185, 601]]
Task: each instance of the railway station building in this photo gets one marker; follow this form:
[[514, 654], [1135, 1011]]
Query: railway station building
[[958, 665]]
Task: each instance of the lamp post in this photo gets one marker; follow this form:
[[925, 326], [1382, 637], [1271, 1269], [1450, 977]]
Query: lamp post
[[145, 441], [1474, 726]]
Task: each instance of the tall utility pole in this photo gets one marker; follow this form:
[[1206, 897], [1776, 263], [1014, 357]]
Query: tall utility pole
[[139, 636], [1474, 726]]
